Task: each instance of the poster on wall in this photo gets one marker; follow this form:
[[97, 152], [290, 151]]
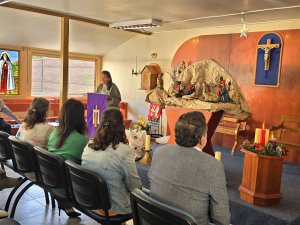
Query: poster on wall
[[268, 60], [9, 72]]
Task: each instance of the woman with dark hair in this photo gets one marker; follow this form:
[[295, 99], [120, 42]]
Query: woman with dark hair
[[109, 154], [110, 89], [69, 140], [35, 129]]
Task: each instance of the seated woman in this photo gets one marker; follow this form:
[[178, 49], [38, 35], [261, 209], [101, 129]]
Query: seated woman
[[69, 140], [110, 155], [34, 129]]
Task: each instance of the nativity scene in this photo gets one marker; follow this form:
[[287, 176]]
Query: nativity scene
[[202, 85]]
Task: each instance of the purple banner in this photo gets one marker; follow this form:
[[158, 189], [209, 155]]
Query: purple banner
[[96, 104]]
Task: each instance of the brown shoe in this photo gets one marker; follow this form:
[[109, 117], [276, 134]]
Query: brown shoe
[[9, 182], [3, 214]]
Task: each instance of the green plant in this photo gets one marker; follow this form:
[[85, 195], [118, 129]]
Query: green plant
[[271, 150]]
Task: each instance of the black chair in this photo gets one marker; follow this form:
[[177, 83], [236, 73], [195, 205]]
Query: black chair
[[90, 192], [53, 174], [7, 159], [6, 155], [25, 161], [148, 211]]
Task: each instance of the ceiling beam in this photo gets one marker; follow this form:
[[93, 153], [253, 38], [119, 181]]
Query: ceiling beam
[[50, 12]]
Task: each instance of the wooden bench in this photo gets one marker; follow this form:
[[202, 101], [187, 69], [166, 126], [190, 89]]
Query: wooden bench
[[288, 132], [232, 126], [20, 106]]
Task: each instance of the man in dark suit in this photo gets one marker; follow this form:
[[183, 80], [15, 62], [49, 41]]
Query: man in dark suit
[[183, 176]]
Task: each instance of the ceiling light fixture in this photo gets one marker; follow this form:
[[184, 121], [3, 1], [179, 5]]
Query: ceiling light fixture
[[244, 30], [4, 1], [136, 24]]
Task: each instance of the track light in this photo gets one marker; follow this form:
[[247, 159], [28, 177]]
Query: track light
[[137, 24]]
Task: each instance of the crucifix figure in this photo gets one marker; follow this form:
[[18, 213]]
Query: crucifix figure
[[267, 48], [96, 116]]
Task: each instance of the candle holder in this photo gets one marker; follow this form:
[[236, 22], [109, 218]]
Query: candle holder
[[146, 160]]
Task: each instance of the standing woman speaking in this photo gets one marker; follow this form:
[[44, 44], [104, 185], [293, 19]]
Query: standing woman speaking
[[110, 89]]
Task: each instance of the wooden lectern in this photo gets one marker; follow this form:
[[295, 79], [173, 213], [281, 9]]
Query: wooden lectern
[[261, 179], [212, 120]]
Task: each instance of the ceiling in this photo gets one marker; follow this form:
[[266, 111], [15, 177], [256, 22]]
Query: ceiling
[[37, 28], [171, 11]]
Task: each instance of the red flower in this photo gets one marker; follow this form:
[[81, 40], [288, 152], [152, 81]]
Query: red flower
[[259, 148], [248, 143]]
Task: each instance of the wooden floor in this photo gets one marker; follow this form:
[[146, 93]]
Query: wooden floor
[[32, 209]]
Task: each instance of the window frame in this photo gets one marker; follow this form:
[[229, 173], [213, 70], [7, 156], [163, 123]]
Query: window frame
[[72, 56]]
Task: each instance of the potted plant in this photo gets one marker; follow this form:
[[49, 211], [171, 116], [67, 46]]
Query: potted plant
[[262, 173]]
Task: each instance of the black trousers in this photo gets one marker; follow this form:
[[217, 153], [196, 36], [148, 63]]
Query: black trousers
[[5, 126]]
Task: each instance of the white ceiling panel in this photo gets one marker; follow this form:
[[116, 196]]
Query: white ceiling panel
[[42, 31], [89, 38], [21, 28], [166, 10]]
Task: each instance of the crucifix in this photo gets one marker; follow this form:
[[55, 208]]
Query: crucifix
[[96, 116], [267, 48]]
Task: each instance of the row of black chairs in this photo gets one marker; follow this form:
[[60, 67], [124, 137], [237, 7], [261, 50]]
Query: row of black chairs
[[86, 190]]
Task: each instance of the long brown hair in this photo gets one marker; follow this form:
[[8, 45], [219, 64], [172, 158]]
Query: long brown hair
[[71, 118], [107, 74], [111, 130], [37, 112]]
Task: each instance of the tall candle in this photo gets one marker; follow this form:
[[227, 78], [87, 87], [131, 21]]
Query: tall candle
[[265, 135], [147, 142], [262, 135], [218, 155], [257, 135]]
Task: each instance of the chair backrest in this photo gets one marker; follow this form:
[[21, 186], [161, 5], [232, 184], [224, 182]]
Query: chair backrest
[[5, 147], [51, 168], [23, 155], [148, 211], [89, 189]]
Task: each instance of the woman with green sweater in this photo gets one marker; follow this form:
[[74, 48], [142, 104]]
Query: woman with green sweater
[[69, 140]]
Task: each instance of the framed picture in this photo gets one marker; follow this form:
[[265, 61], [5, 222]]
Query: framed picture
[[9, 72], [268, 60]]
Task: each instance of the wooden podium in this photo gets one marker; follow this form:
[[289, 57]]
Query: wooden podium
[[261, 179], [212, 120]]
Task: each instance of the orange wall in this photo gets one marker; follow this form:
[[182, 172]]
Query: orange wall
[[238, 56]]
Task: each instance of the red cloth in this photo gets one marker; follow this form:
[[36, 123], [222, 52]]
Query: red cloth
[[3, 87], [155, 111]]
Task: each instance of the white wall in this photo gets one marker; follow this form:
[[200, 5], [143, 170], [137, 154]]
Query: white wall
[[121, 60]]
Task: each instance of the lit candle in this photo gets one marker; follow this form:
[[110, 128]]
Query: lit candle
[[147, 142], [273, 141], [262, 135], [218, 155]]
